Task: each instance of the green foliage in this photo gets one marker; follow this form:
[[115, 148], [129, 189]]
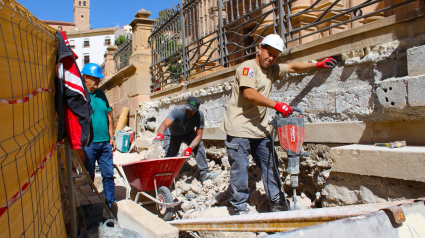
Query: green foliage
[[120, 40], [161, 14]]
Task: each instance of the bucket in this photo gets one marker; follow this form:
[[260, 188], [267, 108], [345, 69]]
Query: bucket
[[106, 231]]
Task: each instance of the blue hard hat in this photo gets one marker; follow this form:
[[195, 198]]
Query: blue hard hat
[[92, 69]]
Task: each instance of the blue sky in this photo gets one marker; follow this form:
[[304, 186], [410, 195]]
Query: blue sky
[[103, 13]]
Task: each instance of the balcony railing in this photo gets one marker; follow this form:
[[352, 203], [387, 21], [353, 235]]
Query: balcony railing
[[123, 53], [201, 36]]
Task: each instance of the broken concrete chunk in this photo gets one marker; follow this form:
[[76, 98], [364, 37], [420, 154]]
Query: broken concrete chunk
[[208, 184], [155, 151], [195, 189]]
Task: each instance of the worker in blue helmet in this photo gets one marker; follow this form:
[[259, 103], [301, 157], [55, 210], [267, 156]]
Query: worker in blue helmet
[[103, 144]]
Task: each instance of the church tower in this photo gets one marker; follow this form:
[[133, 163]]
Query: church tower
[[82, 14]]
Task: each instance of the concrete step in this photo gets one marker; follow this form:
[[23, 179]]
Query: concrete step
[[407, 163]]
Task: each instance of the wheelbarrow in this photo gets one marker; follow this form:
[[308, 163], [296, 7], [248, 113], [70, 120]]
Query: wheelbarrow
[[148, 175]]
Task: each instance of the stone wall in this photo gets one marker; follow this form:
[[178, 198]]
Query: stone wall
[[372, 86], [376, 84]]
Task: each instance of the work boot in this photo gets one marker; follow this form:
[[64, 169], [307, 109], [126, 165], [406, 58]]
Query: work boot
[[211, 176], [277, 206]]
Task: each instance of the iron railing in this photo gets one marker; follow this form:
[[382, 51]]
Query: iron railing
[[122, 54], [102, 67], [200, 36]]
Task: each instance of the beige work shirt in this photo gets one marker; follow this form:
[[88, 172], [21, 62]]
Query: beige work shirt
[[242, 118]]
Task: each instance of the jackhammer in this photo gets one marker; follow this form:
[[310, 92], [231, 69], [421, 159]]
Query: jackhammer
[[291, 138]]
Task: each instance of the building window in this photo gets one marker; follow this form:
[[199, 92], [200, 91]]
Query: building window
[[84, 3], [86, 59], [82, 16], [79, 3], [72, 44], [107, 41], [86, 43]]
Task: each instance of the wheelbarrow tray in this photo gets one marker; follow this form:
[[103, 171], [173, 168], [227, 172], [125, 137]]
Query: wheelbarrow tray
[[141, 174]]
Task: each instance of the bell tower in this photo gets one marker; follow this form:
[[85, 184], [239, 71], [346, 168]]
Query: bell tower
[[82, 14]]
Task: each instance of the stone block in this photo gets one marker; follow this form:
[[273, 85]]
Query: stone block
[[116, 94], [415, 61], [108, 95], [415, 90], [79, 181], [135, 102], [86, 189], [407, 163], [125, 102], [139, 85], [339, 132], [143, 143], [392, 93], [136, 218], [94, 199], [413, 132], [124, 89], [83, 201], [117, 110]]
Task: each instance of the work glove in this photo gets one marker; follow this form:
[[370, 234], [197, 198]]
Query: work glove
[[328, 63], [283, 108], [159, 137], [188, 151]]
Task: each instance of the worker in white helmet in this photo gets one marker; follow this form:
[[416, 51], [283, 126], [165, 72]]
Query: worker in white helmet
[[246, 119]]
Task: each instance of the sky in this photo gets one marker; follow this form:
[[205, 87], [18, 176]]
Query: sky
[[103, 13]]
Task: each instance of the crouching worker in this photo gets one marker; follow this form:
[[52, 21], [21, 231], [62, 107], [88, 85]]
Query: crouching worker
[[103, 144], [185, 123]]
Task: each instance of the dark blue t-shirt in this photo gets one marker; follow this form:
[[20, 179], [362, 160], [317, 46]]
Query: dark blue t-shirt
[[181, 124]]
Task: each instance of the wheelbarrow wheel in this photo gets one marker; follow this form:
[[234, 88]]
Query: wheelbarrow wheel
[[164, 196]]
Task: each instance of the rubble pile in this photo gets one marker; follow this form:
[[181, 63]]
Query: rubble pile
[[200, 198], [314, 171]]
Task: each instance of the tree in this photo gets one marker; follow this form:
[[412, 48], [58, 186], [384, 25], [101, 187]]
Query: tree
[[161, 14], [120, 40]]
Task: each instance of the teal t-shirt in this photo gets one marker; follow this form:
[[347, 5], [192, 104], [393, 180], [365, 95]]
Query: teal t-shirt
[[99, 118]]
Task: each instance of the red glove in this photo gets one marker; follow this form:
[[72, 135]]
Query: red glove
[[188, 151], [159, 137], [328, 63], [283, 108]]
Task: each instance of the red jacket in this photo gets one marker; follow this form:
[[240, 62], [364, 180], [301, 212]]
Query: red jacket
[[72, 98]]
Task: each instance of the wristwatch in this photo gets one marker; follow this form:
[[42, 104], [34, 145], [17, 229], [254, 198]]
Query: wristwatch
[[113, 137]]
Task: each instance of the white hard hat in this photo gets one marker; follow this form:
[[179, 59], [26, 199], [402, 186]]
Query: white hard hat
[[274, 41]]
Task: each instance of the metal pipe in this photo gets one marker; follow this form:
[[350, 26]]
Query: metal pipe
[[71, 190], [183, 55], [282, 221], [220, 26], [281, 26]]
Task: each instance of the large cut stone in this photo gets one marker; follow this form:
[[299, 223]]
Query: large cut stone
[[136, 218], [406, 163]]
